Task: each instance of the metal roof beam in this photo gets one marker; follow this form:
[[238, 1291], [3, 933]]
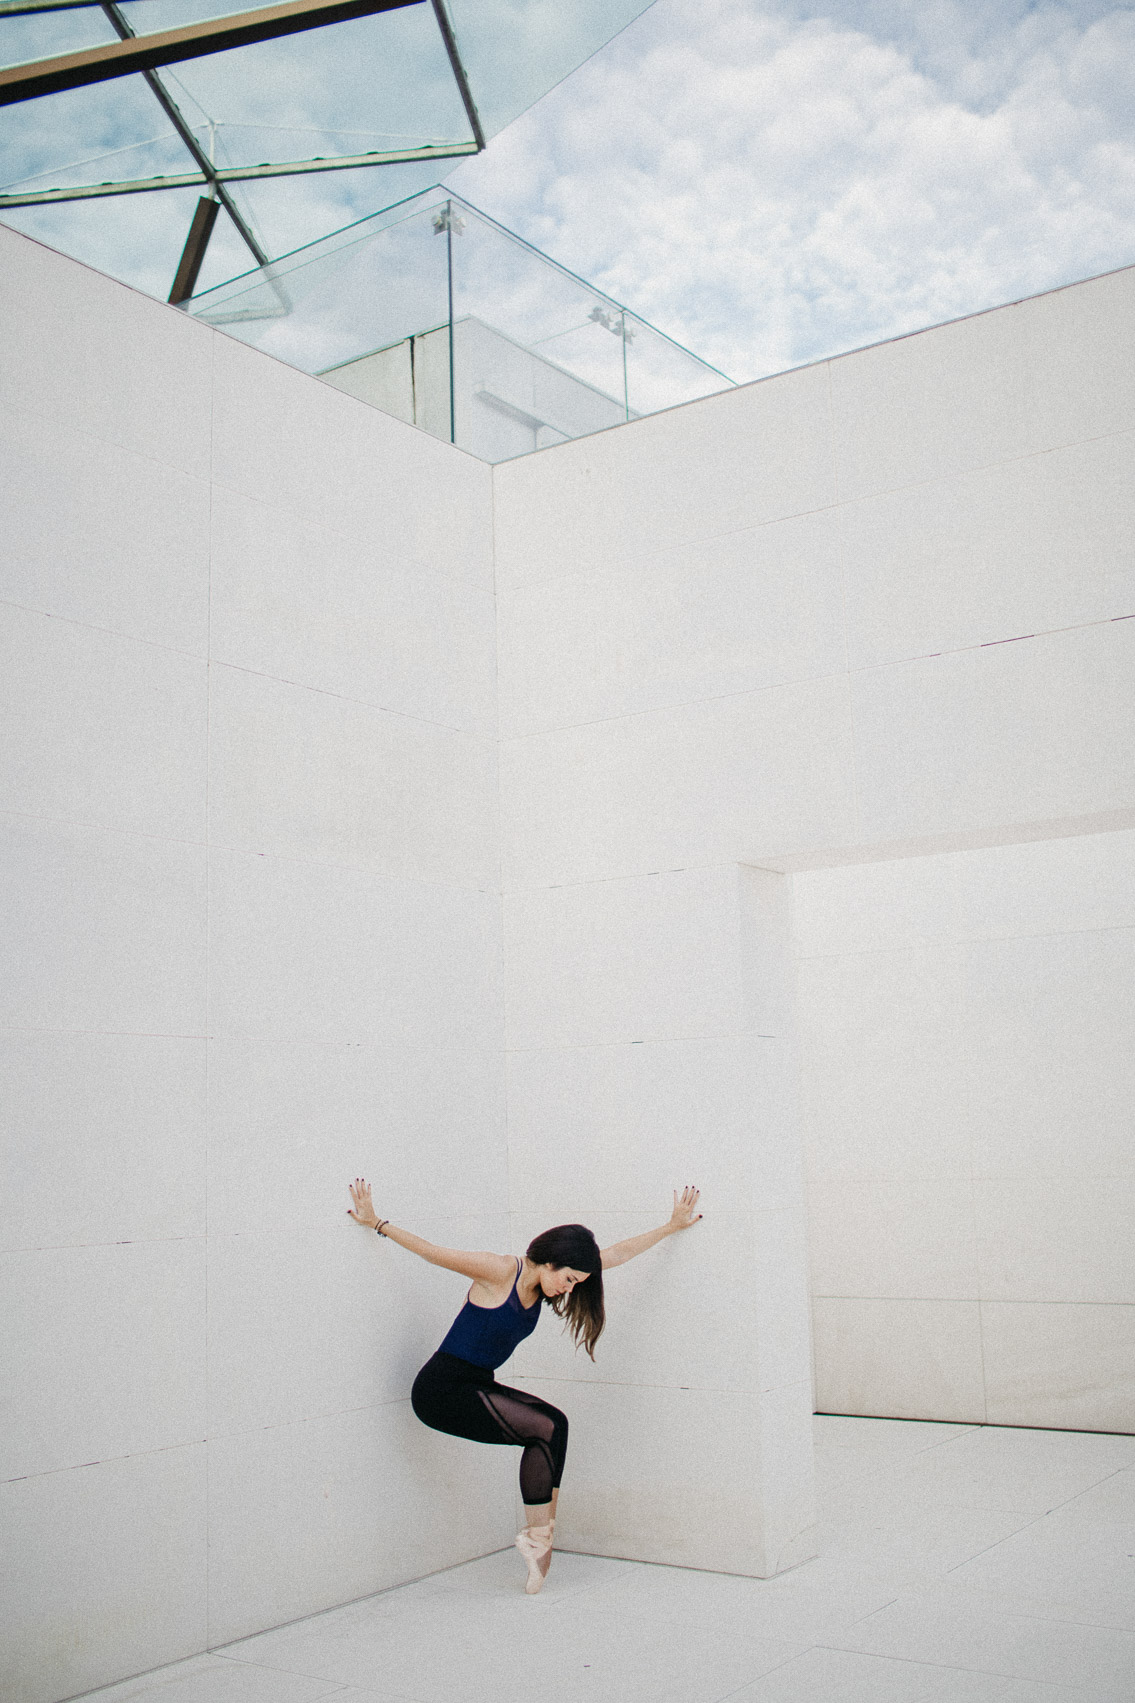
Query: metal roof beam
[[239, 174], [171, 47]]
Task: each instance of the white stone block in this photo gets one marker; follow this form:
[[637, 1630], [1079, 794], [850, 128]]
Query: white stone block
[[994, 387], [884, 1062], [106, 931], [647, 1119], [1063, 1238], [121, 1118], [651, 958], [754, 454], [324, 952], [289, 441], [724, 613], [875, 907], [907, 1237], [330, 1319], [1066, 1366], [302, 773], [104, 360], [351, 614], [1061, 886], [901, 1359], [1027, 546], [101, 729], [111, 1574], [681, 1477], [426, 1127], [67, 551], [104, 1350], [430, 1500], [1049, 1070], [1007, 733], [669, 1319], [1050, 886], [727, 779]]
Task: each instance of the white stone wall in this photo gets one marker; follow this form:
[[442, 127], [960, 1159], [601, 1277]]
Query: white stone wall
[[252, 923], [874, 610], [970, 1079], [649, 1026], [250, 804]]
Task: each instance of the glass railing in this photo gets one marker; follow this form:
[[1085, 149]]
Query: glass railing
[[436, 313]]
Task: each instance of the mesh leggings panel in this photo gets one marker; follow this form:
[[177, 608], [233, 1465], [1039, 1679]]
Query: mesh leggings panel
[[466, 1401], [542, 1432]]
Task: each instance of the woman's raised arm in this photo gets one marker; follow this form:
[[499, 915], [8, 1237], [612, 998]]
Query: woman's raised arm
[[491, 1269], [684, 1214]]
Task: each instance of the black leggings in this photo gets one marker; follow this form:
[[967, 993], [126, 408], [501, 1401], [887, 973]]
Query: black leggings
[[466, 1401]]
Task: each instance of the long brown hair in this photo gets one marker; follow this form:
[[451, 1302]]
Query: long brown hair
[[574, 1246]]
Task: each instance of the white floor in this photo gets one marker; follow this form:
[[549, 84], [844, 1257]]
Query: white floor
[[959, 1564]]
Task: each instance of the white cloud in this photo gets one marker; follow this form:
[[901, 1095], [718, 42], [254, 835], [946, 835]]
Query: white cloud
[[770, 187]]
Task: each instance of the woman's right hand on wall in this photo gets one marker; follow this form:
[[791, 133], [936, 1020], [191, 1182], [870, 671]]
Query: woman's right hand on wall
[[363, 1211], [685, 1210]]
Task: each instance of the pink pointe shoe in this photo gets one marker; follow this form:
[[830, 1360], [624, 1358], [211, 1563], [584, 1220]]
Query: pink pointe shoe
[[535, 1544]]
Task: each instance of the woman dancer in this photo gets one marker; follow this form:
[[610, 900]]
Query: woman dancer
[[455, 1391]]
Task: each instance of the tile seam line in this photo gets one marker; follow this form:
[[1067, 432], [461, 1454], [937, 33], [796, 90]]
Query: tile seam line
[[109, 1460], [988, 644], [937, 945], [206, 658], [643, 558], [677, 1389], [223, 1653], [337, 1687], [103, 440], [418, 571], [211, 847], [977, 1301], [646, 1041], [376, 872], [231, 1433], [848, 672], [717, 863], [200, 844], [129, 1034], [1001, 1541], [853, 754], [1007, 1614], [766, 1673], [483, 732], [111, 632], [225, 1435], [838, 503], [206, 989], [1065, 1507], [336, 1608], [118, 1242], [502, 943], [931, 1667]]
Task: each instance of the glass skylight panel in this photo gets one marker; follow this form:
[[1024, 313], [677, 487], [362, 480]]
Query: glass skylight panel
[[439, 314], [389, 97], [112, 133], [362, 87], [516, 50], [41, 35]]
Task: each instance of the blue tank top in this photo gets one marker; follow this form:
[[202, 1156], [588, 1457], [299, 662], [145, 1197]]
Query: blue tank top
[[486, 1336]]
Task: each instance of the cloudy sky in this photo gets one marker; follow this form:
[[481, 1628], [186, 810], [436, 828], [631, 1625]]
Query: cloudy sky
[[767, 180], [772, 182]]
